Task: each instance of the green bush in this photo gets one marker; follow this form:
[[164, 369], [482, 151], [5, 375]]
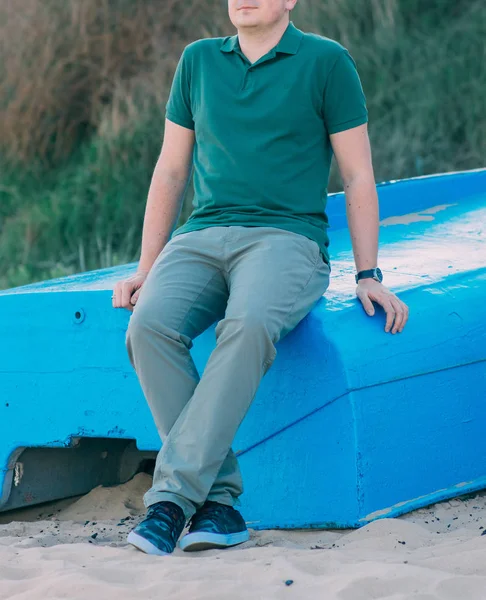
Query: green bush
[[83, 87]]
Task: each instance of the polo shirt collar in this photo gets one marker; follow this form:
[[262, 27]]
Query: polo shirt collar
[[289, 42]]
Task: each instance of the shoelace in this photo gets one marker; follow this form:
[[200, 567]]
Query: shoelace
[[164, 512], [208, 511]]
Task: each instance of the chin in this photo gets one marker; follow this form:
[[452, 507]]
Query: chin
[[243, 21]]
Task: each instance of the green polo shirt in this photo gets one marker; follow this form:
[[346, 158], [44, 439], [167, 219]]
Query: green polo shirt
[[262, 153]]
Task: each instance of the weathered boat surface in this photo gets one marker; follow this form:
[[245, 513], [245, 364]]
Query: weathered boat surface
[[350, 423]]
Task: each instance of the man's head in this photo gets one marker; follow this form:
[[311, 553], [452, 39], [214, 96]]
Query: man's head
[[259, 13]]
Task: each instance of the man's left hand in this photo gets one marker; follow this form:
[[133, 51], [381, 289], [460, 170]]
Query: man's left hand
[[396, 311]]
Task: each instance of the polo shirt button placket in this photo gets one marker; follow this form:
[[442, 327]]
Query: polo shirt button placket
[[245, 80]]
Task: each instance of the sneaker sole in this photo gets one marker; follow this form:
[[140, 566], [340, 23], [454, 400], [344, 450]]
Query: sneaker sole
[[144, 545], [203, 540]]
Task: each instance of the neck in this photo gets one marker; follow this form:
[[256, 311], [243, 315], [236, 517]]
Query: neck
[[257, 41]]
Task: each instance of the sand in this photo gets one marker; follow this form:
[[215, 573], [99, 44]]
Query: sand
[[77, 549]]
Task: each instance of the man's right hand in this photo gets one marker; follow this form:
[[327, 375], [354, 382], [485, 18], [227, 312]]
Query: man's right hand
[[127, 291]]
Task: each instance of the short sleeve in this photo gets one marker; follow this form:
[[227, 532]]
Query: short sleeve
[[344, 103], [178, 107]]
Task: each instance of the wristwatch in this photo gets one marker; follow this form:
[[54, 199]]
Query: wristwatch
[[370, 273]]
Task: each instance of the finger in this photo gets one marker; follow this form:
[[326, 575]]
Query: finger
[[116, 295], [127, 290], [367, 304], [402, 314], [397, 310], [134, 297], [370, 309], [399, 314], [390, 314], [406, 313]]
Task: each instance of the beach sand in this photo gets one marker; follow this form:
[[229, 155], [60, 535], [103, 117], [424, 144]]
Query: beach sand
[[77, 549]]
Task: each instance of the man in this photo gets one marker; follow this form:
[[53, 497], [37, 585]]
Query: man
[[259, 114]]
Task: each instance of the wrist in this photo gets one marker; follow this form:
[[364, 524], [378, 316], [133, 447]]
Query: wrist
[[374, 273]]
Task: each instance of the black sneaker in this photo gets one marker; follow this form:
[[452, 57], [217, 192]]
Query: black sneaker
[[159, 531], [215, 525]]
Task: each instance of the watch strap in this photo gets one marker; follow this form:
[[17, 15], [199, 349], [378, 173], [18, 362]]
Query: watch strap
[[367, 273]]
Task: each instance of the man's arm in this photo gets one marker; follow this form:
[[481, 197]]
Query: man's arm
[[353, 155], [166, 192]]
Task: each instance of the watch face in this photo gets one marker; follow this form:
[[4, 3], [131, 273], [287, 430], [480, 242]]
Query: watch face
[[379, 274]]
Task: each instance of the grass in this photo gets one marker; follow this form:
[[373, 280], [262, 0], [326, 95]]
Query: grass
[[83, 87]]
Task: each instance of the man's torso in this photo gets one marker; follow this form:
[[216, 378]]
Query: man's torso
[[262, 154]]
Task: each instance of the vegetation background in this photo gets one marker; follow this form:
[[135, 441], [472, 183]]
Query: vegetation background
[[83, 86]]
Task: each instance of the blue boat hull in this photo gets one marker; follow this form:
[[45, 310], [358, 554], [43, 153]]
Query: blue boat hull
[[350, 424]]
